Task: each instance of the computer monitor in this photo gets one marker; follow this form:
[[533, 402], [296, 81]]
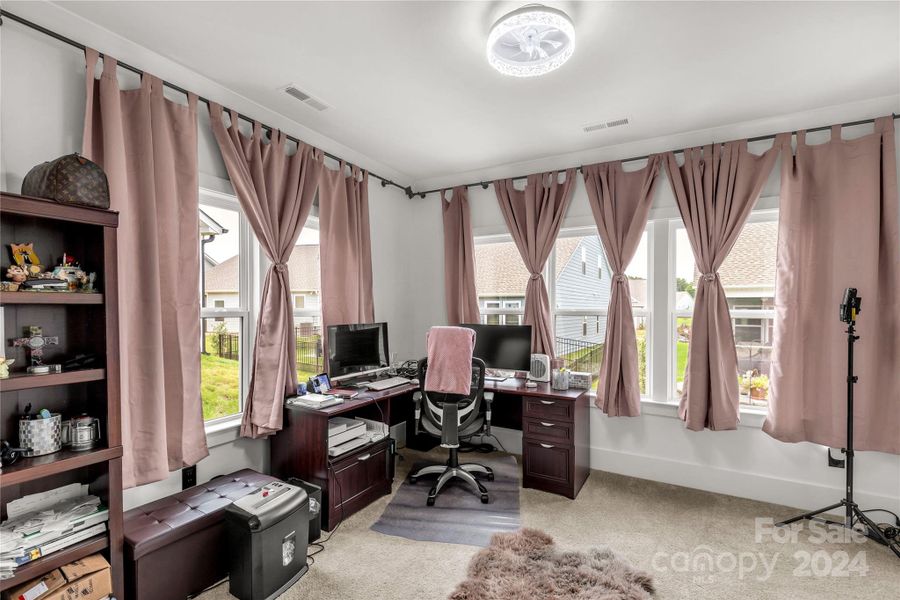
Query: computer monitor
[[506, 347], [357, 349]]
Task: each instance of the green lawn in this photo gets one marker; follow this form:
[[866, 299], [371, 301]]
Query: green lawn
[[219, 386], [682, 348]]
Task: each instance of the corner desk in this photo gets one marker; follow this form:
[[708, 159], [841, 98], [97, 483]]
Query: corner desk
[[555, 429]]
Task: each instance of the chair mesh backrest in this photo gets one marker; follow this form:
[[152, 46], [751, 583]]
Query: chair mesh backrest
[[438, 399]]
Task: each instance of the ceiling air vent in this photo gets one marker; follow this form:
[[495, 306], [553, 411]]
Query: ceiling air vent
[[606, 125], [293, 90]]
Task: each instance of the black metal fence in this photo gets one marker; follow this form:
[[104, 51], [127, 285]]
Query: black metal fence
[[580, 355], [223, 344], [310, 355]]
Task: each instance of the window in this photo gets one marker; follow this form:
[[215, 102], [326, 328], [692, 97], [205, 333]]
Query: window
[[748, 277], [580, 303], [226, 267], [303, 267], [500, 280]]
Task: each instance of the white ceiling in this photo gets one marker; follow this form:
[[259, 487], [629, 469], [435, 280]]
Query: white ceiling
[[408, 82]]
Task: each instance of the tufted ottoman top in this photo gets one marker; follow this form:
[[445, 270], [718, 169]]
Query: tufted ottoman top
[[169, 519]]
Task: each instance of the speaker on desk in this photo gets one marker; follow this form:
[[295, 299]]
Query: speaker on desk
[[540, 368]]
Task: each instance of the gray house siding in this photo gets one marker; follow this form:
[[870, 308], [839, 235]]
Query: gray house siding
[[584, 285]]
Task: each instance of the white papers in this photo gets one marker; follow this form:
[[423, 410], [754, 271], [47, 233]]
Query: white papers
[[41, 500]]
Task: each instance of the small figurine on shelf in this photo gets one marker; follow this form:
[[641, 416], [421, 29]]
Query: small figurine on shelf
[[88, 285], [25, 257], [69, 270], [5, 364], [17, 275], [35, 341]]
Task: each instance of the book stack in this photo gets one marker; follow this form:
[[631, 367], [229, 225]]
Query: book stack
[[40, 284], [44, 523], [345, 435], [317, 401]]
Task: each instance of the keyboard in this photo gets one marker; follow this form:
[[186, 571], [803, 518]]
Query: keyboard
[[386, 384]]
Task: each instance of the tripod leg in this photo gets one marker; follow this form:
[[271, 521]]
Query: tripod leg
[[874, 532], [810, 515]]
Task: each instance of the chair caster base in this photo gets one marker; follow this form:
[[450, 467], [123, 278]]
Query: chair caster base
[[484, 499], [490, 477], [429, 501], [413, 479]]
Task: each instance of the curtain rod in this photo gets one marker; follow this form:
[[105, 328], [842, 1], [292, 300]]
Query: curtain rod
[[384, 181], [58, 36], [580, 168]]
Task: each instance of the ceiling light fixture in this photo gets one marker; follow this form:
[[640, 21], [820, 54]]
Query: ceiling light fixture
[[531, 41]]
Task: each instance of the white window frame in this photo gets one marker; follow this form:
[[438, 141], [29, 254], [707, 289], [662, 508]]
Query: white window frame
[[312, 222], [247, 299], [645, 312], [759, 215], [501, 309]]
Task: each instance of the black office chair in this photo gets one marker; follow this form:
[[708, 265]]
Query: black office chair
[[453, 417]]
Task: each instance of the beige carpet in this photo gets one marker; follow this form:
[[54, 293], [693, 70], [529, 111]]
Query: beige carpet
[[647, 523]]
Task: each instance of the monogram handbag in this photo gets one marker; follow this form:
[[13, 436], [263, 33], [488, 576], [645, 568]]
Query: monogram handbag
[[70, 179]]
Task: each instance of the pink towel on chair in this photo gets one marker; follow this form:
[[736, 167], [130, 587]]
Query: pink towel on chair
[[449, 360]]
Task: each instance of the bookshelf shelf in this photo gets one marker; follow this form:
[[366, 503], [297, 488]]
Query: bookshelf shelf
[[24, 381], [29, 469], [38, 567], [8, 298]]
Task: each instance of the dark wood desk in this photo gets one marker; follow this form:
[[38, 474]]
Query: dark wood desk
[[555, 429]]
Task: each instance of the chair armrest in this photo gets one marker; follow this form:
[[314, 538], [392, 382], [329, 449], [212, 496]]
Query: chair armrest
[[417, 398], [488, 400]]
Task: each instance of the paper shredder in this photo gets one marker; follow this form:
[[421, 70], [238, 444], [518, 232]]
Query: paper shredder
[[267, 534]]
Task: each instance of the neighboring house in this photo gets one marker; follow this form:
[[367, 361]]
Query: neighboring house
[[748, 277], [582, 280], [303, 271]]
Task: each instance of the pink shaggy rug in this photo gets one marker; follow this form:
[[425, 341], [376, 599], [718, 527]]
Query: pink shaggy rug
[[526, 565]]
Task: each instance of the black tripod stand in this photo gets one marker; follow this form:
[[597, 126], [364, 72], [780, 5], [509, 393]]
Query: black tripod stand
[[853, 515]]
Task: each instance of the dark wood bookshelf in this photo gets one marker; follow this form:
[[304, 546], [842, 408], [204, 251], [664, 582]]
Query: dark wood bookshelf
[[21, 297], [84, 323], [26, 381], [43, 565], [29, 469]]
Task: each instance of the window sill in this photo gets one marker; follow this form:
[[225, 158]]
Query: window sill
[[224, 431], [750, 416]]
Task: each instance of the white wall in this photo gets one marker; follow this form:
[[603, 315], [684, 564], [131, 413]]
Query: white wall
[[41, 118], [42, 96], [746, 462]]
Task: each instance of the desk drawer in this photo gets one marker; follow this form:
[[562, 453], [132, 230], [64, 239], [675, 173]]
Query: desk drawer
[[557, 432], [545, 463], [357, 479], [548, 410]]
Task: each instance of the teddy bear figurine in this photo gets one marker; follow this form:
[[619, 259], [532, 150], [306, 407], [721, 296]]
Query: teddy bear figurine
[[16, 273]]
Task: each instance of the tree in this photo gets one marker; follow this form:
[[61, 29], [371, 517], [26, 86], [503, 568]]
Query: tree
[[683, 285]]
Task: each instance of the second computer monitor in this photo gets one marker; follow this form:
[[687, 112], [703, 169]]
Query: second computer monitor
[[506, 347]]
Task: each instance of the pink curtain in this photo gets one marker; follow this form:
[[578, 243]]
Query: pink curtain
[[276, 192], [345, 246], [148, 147], [534, 217], [459, 259], [839, 227], [715, 190], [620, 202]]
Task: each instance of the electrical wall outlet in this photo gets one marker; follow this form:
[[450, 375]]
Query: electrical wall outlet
[[188, 477]]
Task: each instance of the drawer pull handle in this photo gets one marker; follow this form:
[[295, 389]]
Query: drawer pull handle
[[546, 424], [365, 456], [547, 446], [548, 402]]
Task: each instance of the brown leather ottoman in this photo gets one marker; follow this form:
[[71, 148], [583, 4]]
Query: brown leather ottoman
[[175, 546]]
